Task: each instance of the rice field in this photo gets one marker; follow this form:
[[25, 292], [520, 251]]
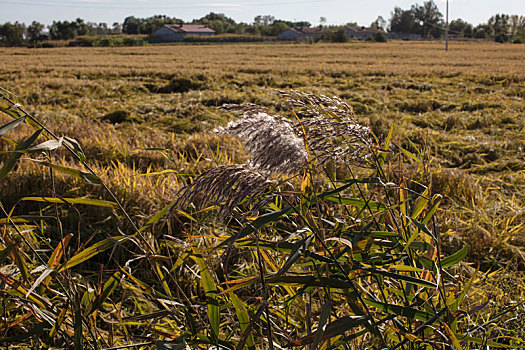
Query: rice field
[[143, 117]]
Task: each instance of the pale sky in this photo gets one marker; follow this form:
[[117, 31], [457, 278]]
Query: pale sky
[[335, 11]]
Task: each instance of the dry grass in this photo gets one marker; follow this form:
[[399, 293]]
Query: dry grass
[[140, 111], [467, 104]]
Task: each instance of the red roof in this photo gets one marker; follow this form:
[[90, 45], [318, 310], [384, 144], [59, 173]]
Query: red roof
[[363, 29], [190, 28], [307, 30]]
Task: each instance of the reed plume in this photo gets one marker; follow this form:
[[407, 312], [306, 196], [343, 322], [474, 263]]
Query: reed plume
[[225, 186], [274, 146], [329, 126], [325, 128]]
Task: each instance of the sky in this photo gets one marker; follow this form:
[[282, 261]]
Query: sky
[[363, 12]]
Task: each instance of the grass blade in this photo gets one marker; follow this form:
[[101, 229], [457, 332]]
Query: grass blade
[[90, 252], [4, 129], [454, 258], [323, 319], [298, 250], [399, 310], [86, 201], [243, 317], [208, 284], [109, 287], [79, 174], [11, 162]]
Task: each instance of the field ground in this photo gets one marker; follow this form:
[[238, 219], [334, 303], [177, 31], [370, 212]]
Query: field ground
[[464, 110], [466, 105]]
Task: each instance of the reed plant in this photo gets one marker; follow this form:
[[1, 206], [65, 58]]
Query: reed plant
[[318, 240]]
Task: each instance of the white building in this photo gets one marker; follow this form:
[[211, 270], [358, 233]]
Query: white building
[[177, 32]]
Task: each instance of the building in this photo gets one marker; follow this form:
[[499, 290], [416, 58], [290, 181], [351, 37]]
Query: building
[[298, 33], [363, 33], [177, 32]]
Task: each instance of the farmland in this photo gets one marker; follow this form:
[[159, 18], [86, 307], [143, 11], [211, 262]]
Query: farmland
[[460, 113]]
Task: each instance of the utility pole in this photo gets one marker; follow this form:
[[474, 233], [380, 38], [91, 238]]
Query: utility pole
[[446, 31]]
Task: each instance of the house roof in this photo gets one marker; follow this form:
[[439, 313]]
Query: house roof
[[190, 28], [307, 30], [363, 29]]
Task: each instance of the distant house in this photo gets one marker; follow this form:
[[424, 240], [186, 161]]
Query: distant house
[[298, 33], [355, 32], [177, 32], [404, 36]]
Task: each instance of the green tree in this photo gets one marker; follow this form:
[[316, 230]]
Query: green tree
[[218, 22], [403, 21], [12, 34], [379, 23], [278, 27], [429, 18], [131, 25], [517, 28], [264, 20], [116, 28], [35, 32], [482, 31], [461, 28], [80, 27], [500, 27], [65, 30]]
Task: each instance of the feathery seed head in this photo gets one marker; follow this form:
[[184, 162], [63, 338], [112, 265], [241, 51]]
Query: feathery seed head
[[225, 186], [277, 146], [332, 132], [272, 142]]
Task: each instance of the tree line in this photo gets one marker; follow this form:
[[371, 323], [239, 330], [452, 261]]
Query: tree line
[[425, 20]]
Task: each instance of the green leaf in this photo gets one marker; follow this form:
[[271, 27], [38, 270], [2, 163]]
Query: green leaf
[[421, 204], [386, 146], [58, 323], [10, 109], [421, 227], [268, 218], [410, 155], [359, 203], [487, 343], [79, 174], [323, 319], [108, 288], [208, 284], [306, 281], [399, 310], [4, 129], [396, 276], [11, 162], [169, 345], [260, 222], [465, 290], [454, 258], [157, 217], [244, 318], [298, 250], [86, 201], [90, 252], [343, 325], [6, 252]]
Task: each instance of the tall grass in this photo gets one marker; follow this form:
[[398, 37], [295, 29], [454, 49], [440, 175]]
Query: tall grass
[[318, 240]]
